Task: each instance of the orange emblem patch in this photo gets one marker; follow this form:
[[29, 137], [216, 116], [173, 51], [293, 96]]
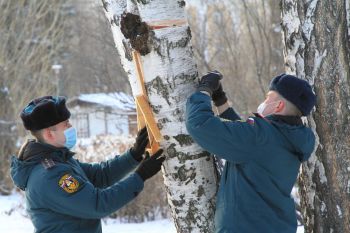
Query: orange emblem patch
[[68, 183]]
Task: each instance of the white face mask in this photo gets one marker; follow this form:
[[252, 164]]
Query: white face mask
[[262, 107]]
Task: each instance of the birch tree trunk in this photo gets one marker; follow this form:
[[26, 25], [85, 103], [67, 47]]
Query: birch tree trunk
[[170, 76], [317, 48]]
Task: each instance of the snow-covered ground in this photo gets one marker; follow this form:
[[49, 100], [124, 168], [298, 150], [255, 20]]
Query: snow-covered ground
[[13, 219]]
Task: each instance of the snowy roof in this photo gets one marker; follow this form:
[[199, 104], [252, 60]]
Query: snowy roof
[[116, 100]]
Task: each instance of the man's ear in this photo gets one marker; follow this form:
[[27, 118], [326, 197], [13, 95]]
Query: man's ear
[[281, 106], [47, 135]]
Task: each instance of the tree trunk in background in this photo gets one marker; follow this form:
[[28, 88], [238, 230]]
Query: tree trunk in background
[[316, 39], [7, 136], [276, 45], [170, 77]]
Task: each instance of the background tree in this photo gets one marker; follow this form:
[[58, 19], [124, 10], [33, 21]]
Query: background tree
[[317, 48], [32, 36], [94, 65], [242, 39], [7, 137]]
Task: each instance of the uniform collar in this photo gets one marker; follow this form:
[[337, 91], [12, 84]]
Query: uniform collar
[[290, 120], [34, 150]]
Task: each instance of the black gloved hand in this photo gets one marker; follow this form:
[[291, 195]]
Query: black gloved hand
[[210, 82], [150, 165], [140, 145], [219, 96]]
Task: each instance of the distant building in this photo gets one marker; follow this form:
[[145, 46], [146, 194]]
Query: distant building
[[103, 113]]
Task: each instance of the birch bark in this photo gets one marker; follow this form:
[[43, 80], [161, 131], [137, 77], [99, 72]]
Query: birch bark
[[170, 77]]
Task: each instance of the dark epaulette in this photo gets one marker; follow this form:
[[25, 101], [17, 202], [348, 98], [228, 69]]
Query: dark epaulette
[[48, 163], [258, 115]]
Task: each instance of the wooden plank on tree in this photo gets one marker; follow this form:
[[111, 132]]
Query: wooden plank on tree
[[140, 119], [153, 145], [139, 71], [159, 24], [144, 113], [148, 117]]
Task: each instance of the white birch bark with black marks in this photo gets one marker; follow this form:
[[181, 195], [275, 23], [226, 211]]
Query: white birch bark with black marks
[[170, 78], [317, 48]]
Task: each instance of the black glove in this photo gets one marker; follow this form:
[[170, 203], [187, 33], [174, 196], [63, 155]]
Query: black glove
[[150, 165], [210, 82], [140, 145], [219, 96]]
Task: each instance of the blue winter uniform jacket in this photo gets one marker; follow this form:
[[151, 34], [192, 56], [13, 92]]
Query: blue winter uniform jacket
[[65, 195], [262, 156]]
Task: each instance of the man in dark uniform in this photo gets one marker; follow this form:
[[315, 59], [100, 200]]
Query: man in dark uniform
[[263, 154], [63, 194]]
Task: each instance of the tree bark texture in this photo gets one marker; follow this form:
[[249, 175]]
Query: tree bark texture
[[170, 75], [317, 48]]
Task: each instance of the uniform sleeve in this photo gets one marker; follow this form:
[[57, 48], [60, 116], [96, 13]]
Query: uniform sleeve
[[79, 198], [230, 114], [230, 140], [107, 173]]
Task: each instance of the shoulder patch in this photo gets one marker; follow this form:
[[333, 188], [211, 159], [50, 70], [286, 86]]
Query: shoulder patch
[[250, 121], [48, 163], [68, 183]]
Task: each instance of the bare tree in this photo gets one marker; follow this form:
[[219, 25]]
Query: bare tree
[[242, 39], [32, 35], [94, 65], [317, 48], [7, 137]]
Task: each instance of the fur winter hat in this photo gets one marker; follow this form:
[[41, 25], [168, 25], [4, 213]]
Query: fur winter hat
[[44, 112], [295, 90]]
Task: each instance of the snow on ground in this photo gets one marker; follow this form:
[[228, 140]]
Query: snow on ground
[[159, 226], [13, 218]]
